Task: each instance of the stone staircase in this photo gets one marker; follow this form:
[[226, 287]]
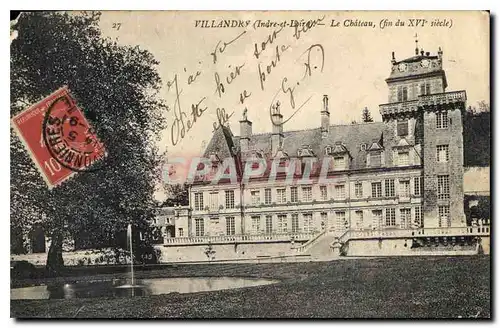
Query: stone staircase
[[323, 247]]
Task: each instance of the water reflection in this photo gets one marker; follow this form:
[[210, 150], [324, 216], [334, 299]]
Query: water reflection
[[111, 288]]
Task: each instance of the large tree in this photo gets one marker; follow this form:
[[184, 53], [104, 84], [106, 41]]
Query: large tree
[[117, 88]]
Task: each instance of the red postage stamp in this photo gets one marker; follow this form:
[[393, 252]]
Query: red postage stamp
[[58, 137]]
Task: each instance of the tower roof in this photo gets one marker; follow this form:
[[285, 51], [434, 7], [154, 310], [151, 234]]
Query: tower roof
[[422, 64]]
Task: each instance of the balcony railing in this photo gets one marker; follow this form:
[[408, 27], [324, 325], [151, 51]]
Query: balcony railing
[[432, 99], [400, 107], [411, 233], [443, 98], [228, 239]]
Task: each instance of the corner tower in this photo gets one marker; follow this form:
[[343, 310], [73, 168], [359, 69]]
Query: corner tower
[[417, 95]]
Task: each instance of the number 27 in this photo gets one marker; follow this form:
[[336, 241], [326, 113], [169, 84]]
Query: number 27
[[117, 26]]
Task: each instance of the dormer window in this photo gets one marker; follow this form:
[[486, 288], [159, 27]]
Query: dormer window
[[339, 163], [376, 159], [328, 150], [340, 155], [306, 151], [281, 155], [403, 158], [363, 147]]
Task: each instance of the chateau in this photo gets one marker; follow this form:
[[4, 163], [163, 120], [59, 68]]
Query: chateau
[[370, 189], [402, 176], [404, 172]]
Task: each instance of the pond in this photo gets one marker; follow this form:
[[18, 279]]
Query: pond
[[144, 287]]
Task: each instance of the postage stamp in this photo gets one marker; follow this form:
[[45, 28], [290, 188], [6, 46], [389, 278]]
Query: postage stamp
[[58, 137]]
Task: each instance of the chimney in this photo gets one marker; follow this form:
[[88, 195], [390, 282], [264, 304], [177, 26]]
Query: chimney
[[427, 53], [422, 52], [325, 118], [440, 54], [245, 132], [393, 60], [277, 136]]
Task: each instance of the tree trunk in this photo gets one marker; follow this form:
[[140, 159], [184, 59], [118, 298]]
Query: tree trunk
[[55, 262]]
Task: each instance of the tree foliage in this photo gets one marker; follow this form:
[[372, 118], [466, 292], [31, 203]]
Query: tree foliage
[[477, 135], [366, 116], [177, 194], [117, 88], [480, 211]]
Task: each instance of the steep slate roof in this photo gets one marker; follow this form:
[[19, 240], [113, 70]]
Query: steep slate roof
[[221, 143], [351, 136]]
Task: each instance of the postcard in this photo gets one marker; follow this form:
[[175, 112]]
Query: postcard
[[250, 164]]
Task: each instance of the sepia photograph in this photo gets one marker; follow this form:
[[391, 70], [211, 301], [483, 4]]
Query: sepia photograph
[[250, 165]]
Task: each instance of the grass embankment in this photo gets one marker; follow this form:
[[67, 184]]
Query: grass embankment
[[406, 287]]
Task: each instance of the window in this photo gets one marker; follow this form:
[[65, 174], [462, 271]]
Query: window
[[444, 216], [295, 223], [363, 147], [214, 200], [376, 189], [404, 188], [402, 93], [358, 189], [340, 192], [375, 159], [443, 186], [442, 153], [402, 128], [442, 120], [198, 201], [181, 232], [425, 89], [403, 158], [389, 188], [199, 227], [359, 219], [282, 223], [269, 224], [418, 217], [294, 195], [328, 150], [229, 198], [339, 163], [405, 218], [281, 195], [324, 219], [377, 219], [324, 193], [417, 185], [306, 194], [267, 196], [230, 228], [308, 224], [255, 197], [341, 221], [255, 224], [390, 217]]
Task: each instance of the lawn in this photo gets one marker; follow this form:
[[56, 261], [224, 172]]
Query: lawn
[[402, 287]]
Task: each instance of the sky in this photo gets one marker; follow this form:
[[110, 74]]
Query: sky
[[347, 63]]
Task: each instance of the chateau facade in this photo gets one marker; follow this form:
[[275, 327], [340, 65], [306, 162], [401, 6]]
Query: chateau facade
[[386, 188], [405, 172]]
